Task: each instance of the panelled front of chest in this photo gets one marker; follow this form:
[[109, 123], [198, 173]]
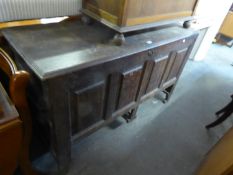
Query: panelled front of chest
[[80, 83], [167, 64], [96, 94]]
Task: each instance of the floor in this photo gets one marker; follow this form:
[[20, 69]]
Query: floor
[[165, 139]]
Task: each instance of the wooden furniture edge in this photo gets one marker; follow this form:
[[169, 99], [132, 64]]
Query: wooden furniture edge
[[19, 23], [17, 90], [219, 160], [227, 31], [157, 18], [123, 15], [102, 13]]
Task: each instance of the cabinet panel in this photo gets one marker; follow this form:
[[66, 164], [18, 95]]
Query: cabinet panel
[[159, 67], [87, 106], [129, 86], [177, 65], [171, 60], [174, 66]]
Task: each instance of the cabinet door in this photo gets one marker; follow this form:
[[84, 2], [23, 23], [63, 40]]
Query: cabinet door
[[175, 65]]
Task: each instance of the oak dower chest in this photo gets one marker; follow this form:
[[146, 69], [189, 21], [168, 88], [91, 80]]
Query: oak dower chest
[[81, 81], [129, 15]]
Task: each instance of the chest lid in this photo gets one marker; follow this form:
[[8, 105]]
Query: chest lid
[[56, 49]]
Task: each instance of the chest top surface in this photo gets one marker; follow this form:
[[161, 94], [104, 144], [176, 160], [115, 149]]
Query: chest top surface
[[56, 49]]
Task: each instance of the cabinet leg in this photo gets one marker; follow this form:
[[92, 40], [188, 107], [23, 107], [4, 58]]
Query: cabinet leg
[[131, 115], [168, 93], [119, 39], [26, 166], [217, 38], [60, 127], [231, 44], [87, 20], [62, 150], [187, 24], [61, 142]]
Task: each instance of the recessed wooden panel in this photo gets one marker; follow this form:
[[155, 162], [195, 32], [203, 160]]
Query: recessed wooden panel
[[86, 107], [157, 74], [174, 67], [129, 87], [177, 64], [169, 65]]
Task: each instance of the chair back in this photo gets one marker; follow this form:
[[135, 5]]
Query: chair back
[[15, 83]]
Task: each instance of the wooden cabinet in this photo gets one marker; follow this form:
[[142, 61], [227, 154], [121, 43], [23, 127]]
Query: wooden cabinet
[[81, 82], [125, 13], [226, 28]]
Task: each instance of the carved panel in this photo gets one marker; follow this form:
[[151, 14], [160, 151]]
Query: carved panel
[[174, 66], [171, 60], [87, 106], [129, 87], [177, 65], [159, 67]]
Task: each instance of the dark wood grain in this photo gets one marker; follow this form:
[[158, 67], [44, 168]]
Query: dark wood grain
[[44, 48], [80, 81], [1, 111], [8, 110], [87, 106], [129, 86], [158, 70]]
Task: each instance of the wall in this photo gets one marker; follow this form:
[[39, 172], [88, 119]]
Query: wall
[[11, 10], [213, 13]]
